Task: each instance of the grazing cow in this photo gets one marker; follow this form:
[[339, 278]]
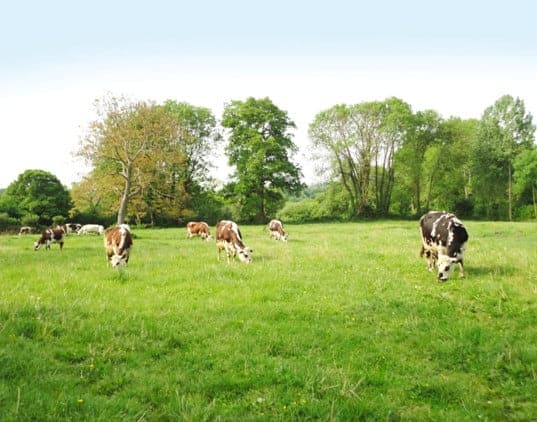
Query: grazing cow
[[117, 243], [91, 228], [276, 230], [228, 237], [443, 238], [50, 236], [25, 230], [71, 227], [195, 228]]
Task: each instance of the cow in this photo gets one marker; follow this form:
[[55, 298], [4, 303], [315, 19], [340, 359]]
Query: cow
[[229, 237], [50, 236], [443, 238], [276, 231], [195, 228], [25, 230], [71, 227], [117, 243], [91, 228]]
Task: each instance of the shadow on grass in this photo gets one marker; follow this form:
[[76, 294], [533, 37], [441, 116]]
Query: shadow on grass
[[502, 270]]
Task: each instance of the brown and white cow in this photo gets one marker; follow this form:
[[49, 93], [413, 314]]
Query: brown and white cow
[[276, 230], [228, 237], [443, 238], [117, 243], [25, 230], [50, 236], [198, 228]]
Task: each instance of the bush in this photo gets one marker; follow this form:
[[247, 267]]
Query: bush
[[463, 207], [8, 223], [525, 213], [31, 220], [298, 212], [58, 220]]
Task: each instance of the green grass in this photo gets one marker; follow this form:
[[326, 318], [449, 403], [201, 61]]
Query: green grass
[[343, 322]]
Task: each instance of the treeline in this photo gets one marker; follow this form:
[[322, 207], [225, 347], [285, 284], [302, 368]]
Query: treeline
[[151, 165]]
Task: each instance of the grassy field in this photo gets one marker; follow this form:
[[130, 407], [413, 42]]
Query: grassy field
[[343, 322]]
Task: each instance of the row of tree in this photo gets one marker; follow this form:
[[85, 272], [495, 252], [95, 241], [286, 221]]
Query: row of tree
[[391, 160], [150, 164]]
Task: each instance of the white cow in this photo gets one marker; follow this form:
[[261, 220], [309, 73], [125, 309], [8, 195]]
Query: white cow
[[91, 228]]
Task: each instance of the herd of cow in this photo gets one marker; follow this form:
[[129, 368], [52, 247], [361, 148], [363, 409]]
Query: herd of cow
[[443, 238]]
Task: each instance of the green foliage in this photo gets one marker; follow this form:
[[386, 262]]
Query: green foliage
[[31, 220], [525, 181], [331, 204], [260, 148], [36, 192], [505, 130], [58, 220], [359, 143], [8, 223], [342, 322]]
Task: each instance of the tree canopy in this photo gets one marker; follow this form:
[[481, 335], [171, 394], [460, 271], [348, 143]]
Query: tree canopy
[[36, 193], [260, 148], [146, 156]]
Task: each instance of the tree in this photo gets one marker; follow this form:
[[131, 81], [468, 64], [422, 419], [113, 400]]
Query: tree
[[359, 143], [135, 144], [504, 131], [410, 160], [198, 138], [260, 149], [36, 192], [525, 178], [396, 123]]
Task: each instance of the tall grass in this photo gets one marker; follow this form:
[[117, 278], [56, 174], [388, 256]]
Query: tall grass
[[343, 322]]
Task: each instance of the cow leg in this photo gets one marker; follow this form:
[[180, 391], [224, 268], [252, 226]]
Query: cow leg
[[429, 257], [61, 246], [461, 267]]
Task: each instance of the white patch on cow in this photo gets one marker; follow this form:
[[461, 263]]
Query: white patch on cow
[[445, 266], [245, 255], [117, 261]]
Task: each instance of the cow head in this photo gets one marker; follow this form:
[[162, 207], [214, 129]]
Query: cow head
[[37, 245], [445, 266], [117, 261], [245, 255]]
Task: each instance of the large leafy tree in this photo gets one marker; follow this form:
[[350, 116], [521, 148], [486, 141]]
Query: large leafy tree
[[135, 146], [505, 130], [260, 148], [359, 144], [36, 192]]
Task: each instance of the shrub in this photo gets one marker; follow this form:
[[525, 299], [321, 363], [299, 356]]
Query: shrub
[[8, 223], [58, 220]]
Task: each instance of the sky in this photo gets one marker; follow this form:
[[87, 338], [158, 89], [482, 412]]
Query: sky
[[58, 57]]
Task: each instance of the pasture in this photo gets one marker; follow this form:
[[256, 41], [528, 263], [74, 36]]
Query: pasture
[[343, 322]]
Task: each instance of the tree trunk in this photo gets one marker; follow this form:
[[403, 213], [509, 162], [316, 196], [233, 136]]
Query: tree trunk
[[122, 212], [534, 205]]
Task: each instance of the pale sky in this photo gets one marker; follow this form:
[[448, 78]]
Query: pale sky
[[57, 57]]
